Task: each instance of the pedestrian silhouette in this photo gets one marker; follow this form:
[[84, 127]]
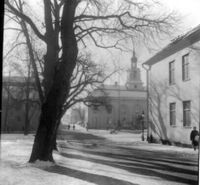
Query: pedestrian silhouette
[[68, 126], [194, 137]]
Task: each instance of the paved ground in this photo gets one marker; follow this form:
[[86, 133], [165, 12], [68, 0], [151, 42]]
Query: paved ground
[[98, 158], [126, 151]]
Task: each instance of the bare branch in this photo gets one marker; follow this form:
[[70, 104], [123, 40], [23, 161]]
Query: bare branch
[[25, 18], [15, 46]]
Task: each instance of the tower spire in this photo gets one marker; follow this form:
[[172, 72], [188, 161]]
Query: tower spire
[[133, 60], [134, 78]]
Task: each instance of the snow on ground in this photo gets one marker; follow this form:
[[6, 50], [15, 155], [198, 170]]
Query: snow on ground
[[16, 149], [14, 169], [125, 138]]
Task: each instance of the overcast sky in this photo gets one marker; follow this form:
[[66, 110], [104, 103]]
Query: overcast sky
[[189, 9]]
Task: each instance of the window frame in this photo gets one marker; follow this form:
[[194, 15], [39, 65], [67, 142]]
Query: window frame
[[185, 67], [172, 72], [172, 114], [185, 113]]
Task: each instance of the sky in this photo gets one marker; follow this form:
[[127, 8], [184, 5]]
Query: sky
[[190, 13], [189, 9]]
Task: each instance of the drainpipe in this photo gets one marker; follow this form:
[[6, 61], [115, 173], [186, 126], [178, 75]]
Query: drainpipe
[[147, 69]]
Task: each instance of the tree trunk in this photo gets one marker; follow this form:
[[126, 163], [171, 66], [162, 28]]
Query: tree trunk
[[53, 105]]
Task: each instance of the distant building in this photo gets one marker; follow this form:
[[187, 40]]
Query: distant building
[[78, 115], [19, 105], [174, 89], [126, 103]]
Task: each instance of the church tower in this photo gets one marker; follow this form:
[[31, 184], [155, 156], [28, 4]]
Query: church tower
[[134, 79]]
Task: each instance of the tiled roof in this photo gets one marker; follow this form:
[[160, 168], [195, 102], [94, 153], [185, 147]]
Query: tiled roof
[[176, 45]]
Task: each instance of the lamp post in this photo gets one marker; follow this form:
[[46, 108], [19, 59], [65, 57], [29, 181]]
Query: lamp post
[[148, 69], [142, 120]]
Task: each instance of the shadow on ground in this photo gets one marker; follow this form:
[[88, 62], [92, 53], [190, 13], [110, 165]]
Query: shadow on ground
[[159, 164], [73, 135], [92, 178], [162, 164]]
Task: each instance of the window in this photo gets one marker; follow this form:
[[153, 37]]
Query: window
[[185, 67], [172, 113], [186, 113], [171, 73]]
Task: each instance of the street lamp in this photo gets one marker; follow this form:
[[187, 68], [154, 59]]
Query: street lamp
[[142, 120]]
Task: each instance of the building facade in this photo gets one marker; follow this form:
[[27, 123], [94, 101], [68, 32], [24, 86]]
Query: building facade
[[126, 103], [174, 89], [20, 105]]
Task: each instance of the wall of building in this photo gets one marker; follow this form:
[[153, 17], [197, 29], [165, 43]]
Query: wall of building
[[162, 94], [124, 109], [14, 110]]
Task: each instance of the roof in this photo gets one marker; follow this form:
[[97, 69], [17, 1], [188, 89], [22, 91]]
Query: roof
[[114, 87], [119, 88], [116, 91], [176, 45]]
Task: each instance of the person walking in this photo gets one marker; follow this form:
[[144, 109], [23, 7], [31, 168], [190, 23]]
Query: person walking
[[194, 137], [68, 127]]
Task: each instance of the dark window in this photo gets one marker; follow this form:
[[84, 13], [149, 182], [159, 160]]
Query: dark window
[[172, 113], [185, 67], [171, 73], [186, 113]]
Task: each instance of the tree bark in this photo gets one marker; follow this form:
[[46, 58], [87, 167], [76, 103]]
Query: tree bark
[[52, 107]]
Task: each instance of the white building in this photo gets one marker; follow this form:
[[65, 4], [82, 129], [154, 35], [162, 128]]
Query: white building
[[174, 89], [125, 102]]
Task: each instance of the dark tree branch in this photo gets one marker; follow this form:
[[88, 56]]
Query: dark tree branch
[[25, 18]]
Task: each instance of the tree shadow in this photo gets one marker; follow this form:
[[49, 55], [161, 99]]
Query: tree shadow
[[162, 156], [156, 102], [92, 178], [129, 154], [144, 164], [73, 135]]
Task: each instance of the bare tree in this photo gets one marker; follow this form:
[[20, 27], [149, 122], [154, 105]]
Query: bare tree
[[160, 91], [87, 77], [22, 91], [81, 114], [20, 94], [72, 22], [158, 94]]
